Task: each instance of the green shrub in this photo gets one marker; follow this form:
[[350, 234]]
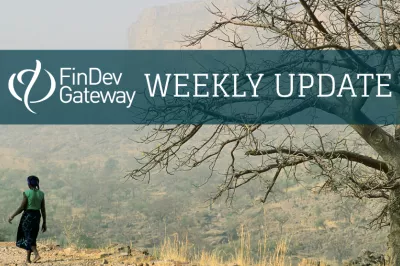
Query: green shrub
[[320, 223]]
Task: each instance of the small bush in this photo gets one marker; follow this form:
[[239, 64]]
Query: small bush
[[320, 223]]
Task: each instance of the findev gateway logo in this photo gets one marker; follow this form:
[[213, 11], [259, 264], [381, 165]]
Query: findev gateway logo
[[35, 76], [71, 90]]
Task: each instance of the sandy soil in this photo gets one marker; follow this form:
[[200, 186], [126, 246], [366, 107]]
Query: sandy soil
[[10, 255]]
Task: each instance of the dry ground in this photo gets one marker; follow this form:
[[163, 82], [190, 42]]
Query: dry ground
[[51, 255]]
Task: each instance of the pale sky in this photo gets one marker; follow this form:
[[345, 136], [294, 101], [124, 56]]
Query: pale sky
[[70, 24]]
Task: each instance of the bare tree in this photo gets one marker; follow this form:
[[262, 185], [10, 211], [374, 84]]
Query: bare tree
[[362, 160], [346, 210]]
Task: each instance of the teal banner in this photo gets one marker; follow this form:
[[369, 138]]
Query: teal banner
[[198, 87]]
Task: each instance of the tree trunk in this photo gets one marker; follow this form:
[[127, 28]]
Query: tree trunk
[[394, 233]]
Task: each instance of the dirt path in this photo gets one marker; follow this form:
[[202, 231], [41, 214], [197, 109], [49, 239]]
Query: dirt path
[[53, 255], [11, 255]]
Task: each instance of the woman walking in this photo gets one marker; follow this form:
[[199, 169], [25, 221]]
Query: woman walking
[[33, 206]]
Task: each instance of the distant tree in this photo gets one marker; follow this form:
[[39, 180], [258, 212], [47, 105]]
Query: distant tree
[[110, 166], [282, 218], [363, 163], [320, 223], [162, 209], [346, 210], [318, 211], [339, 247]]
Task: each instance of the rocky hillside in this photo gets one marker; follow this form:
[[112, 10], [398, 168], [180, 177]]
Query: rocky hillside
[[164, 27]]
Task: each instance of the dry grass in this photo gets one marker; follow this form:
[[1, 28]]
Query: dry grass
[[175, 250], [265, 258], [207, 258], [245, 253]]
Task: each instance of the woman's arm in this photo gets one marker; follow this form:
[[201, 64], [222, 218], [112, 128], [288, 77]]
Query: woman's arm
[[43, 211], [20, 209]]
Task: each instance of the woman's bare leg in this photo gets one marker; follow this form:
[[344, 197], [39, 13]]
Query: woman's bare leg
[[28, 256], [37, 256]]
